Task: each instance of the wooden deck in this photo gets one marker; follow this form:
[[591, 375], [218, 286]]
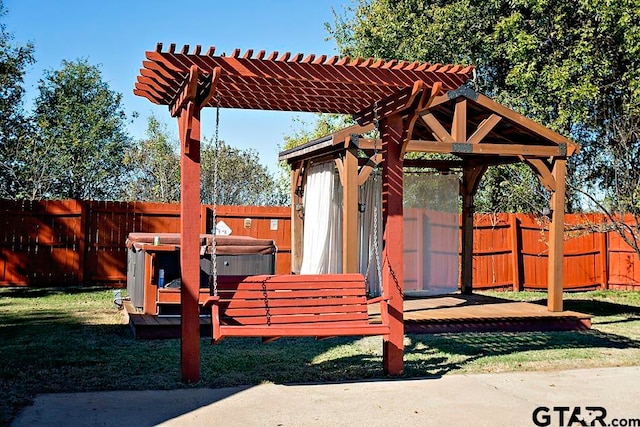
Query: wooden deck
[[448, 313]]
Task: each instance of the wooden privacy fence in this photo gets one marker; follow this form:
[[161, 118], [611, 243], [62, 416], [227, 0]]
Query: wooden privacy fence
[[67, 242], [510, 251]]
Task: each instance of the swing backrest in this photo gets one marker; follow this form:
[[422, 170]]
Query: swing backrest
[[294, 305], [292, 299]]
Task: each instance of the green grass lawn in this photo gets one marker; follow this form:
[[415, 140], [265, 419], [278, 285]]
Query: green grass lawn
[[75, 340]]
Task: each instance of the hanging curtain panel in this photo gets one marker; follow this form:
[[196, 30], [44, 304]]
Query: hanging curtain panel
[[322, 247], [431, 234], [370, 204]]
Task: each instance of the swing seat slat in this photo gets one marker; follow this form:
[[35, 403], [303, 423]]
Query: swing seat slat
[[270, 306]]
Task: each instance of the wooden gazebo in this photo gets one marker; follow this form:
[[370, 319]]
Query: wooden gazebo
[[407, 98], [469, 125]]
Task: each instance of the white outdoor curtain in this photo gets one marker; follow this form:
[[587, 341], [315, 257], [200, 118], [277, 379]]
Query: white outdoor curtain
[[431, 234], [322, 248], [370, 201], [335, 228]]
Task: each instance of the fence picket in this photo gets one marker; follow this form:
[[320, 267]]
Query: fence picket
[[66, 242]]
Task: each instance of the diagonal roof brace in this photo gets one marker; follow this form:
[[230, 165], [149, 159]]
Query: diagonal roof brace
[[193, 88]]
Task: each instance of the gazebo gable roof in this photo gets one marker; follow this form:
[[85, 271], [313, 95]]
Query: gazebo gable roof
[[461, 122], [463, 116]]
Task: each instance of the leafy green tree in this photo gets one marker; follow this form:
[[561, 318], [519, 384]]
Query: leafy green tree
[[81, 127], [323, 125], [511, 188], [154, 166], [571, 65], [28, 169], [231, 176], [15, 130]]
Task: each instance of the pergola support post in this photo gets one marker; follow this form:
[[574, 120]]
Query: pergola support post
[[556, 238], [392, 131], [189, 131]]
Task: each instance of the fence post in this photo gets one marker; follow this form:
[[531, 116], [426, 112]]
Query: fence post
[[604, 256], [514, 231], [83, 244]]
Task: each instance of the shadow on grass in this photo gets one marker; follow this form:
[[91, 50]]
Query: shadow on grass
[[596, 307], [47, 350], [303, 360], [40, 292]]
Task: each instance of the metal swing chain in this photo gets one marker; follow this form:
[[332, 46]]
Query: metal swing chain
[[265, 298], [376, 249], [213, 274]]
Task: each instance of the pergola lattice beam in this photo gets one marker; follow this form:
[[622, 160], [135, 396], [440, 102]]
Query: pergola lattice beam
[[290, 82]]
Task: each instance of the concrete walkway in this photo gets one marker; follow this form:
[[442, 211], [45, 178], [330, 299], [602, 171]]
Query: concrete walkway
[[455, 400]]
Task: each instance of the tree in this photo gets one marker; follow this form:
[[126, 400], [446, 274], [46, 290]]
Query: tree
[[154, 166], [511, 188], [323, 125], [15, 128], [240, 179], [571, 65], [81, 126]]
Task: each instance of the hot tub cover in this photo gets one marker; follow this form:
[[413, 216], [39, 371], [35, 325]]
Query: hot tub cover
[[225, 245]]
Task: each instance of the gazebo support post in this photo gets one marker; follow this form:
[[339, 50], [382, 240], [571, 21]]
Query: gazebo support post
[[296, 218], [470, 180], [556, 238], [392, 131], [350, 212], [189, 131], [466, 265]]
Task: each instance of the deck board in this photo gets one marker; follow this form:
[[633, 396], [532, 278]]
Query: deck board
[[441, 314]]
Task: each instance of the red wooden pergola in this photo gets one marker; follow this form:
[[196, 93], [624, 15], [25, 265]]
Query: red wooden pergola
[[394, 92]]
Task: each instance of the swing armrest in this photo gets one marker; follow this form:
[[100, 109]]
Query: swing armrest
[[211, 301], [377, 300], [214, 302]]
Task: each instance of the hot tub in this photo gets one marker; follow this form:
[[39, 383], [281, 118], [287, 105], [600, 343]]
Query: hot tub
[[153, 264]]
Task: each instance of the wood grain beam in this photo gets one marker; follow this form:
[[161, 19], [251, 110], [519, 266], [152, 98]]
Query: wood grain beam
[[470, 180], [344, 135], [296, 217], [212, 82], [484, 128], [340, 166], [350, 212], [555, 279], [459, 124], [187, 92], [437, 129], [543, 169], [367, 169], [392, 130], [501, 110], [466, 148], [189, 127], [193, 89], [392, 104]]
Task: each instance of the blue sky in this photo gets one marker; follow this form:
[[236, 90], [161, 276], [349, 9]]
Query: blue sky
[[116, 33]]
